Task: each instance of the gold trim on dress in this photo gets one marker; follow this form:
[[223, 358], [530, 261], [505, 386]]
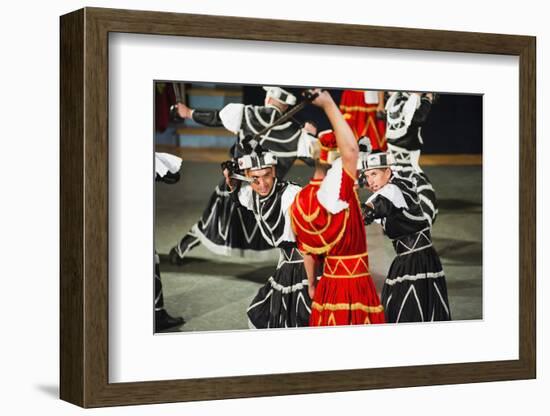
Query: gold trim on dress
[[316, 250], [315, 232], [358, 200], [326, 246], [346, 306], [333, 262], [310, 217], [351, 256], [380, 139], [352, 177], [359, 108], [345, 276], [342, 231], [331, 267]]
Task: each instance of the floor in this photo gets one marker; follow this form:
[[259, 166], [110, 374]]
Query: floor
[[212, 292]]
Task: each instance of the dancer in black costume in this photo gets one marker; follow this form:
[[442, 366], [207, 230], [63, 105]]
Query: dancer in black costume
[[284, 300], [406, 113], [415, 289], [226, 228]]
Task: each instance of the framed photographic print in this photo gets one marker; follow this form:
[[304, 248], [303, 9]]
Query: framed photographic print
[[163, 256]]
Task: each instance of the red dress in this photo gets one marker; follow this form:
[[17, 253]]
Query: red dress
[[361, 117], [327, 221]]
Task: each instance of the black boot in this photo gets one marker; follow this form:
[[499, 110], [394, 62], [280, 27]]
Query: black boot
[[187, 243], [163, 320]]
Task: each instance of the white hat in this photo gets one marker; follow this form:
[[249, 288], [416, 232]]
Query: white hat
[[365, 149], [257, 162], [377, 160], [277, 93]]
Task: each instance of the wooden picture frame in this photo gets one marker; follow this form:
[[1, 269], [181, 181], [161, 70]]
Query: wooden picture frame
[[84, 207]]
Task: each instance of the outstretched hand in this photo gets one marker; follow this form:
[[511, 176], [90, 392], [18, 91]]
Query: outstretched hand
[[228, 181], [184, 111], [368, 214]]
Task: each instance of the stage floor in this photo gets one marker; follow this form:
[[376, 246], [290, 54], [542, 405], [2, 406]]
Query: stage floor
[[212, 292]]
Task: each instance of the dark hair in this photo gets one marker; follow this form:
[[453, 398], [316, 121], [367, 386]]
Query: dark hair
[[314, 123]]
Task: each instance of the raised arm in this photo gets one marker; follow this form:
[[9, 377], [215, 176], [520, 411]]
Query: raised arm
[[421, 113], [347, 144]]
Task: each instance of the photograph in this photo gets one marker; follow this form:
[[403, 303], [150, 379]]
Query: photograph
[[284, 206], [358, 214]]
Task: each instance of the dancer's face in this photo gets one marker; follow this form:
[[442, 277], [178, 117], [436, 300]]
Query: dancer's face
[[263, 180], [377, 178], [310, 128]]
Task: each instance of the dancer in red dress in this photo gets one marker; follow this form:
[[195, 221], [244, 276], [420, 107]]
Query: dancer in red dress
[[328, 224], [363, 110]]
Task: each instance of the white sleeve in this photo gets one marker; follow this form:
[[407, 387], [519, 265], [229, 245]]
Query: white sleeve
[[246, 197], [232, 116], [371, 97], [286, 201], [329, 191], [305, 142], [410, 108], [165, 162], [392, 193]]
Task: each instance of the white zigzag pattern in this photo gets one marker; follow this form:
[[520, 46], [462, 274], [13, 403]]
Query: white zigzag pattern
[[428, 275], [411, 290], [287, 289]]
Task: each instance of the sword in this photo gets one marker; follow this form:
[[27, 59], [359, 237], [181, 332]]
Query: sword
[[247, 142], [232, 167], [179, 92], [242, 178], [308, 98]]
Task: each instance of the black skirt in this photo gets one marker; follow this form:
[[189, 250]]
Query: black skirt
[[415, 289], [283, 302], [226, 227]]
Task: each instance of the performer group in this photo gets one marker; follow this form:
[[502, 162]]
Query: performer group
[[322, 276]]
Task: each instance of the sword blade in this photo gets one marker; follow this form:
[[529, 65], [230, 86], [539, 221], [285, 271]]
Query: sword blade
[[241, 178]]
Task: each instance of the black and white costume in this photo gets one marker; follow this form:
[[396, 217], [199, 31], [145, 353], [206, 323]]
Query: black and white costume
[[284, 300], [225, 228], [167, 170], [405, 115], [415, 289]]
